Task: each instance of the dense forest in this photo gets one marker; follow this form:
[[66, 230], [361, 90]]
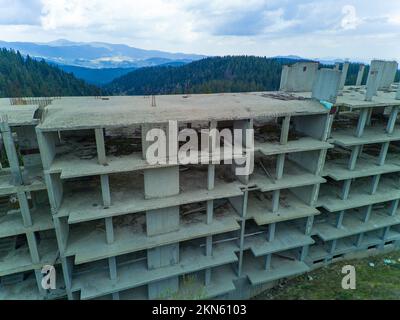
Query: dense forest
[[216, 74], [26, 77]]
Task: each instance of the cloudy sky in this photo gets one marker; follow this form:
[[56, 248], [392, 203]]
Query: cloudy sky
[[360, 29]]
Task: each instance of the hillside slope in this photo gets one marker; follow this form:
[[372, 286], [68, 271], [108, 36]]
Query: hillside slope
[[216, 74], [26, 77]]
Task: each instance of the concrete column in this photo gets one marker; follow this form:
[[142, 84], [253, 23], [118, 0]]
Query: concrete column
[[362, 120], [10, 150], [112, 264], [388, 75], [367, 213], [383, 153], [374, 76], [359, 240], [309, 224], [271, 232], [158, 183], [284, 78], [326, 85], [345, 189], [360, 75], [47, 145], [101, 148], [280, 162], [33, 247], [241, 208], [105, 190], [303, 253], [343, 76], [398, 93], [392, 119], [54, 190], [393, 207], [109, 230], [248, 148], [162, 221], [375, 183], [298, 77], [339, 220], [285, 130], [275, 200], [160, 257], [24, 207], [353, 157], [268, 259]]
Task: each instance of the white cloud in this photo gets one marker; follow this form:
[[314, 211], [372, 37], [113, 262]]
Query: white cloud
[[264, 27]]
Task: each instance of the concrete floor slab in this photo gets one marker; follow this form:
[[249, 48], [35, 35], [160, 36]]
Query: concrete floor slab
[[292, 208], [286, 237], [191, 259], [12, 224], [366, 166], [302, 144], [293, 176], [352, 224], [347, 138], [359, 195], [88, 244], [280, 268], [20, 260]]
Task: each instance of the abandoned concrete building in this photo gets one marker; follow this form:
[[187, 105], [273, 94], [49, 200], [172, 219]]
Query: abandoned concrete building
[[78, 195]]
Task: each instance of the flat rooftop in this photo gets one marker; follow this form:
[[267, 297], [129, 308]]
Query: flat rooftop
[[18, 114], [73, 113], [70, 113], [354, 97]]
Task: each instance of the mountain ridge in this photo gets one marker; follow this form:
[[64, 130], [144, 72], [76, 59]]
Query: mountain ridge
[[96, 54]]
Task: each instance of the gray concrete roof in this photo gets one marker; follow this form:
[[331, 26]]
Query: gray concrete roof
[[19, 114], [90, 112]]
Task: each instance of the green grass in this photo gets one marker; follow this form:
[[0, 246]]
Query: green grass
[[380, 281]]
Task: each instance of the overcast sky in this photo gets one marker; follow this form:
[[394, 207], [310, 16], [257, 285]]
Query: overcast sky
[[361, 29]]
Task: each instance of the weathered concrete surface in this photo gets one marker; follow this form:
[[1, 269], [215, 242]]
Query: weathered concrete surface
[[298, 77], [88, 112]]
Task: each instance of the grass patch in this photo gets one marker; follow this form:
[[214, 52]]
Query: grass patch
[[375, 279]]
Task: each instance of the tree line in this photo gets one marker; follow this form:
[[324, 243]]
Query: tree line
[[26, 77]]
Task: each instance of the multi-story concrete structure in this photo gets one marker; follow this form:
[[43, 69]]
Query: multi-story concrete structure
[[119, 227]]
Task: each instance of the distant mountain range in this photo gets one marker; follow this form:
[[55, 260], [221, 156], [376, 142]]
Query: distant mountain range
[[102, 76], [98, 54], [100, 63]]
